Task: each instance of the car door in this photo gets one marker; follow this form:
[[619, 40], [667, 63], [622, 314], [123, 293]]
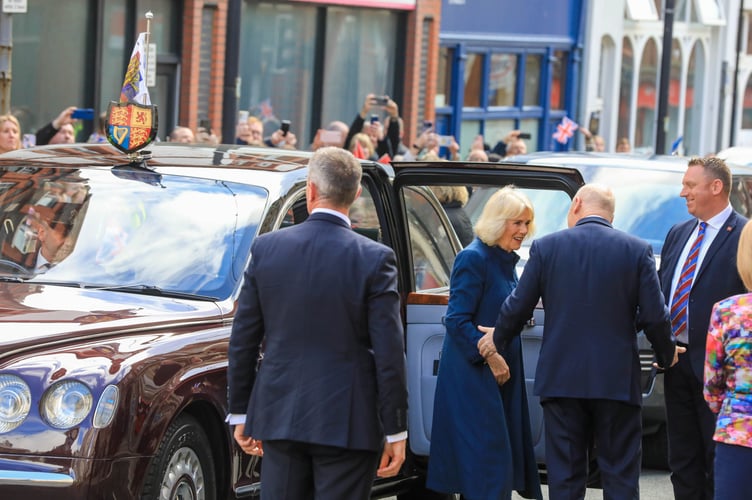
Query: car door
[[426, 245]]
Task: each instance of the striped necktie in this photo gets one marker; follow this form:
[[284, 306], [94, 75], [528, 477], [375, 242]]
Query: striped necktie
[[681, 295]]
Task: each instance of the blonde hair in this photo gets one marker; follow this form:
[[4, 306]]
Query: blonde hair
[[14, 121], [448, 194], [744, 256], [504, 205], [365, 142]]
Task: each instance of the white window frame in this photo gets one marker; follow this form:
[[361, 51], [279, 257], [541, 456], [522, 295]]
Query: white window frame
[[641, 10], [710, 12]]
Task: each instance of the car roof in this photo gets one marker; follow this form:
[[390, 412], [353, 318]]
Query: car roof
[[627, 161]]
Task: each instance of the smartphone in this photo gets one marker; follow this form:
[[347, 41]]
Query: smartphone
[[525, 135], [427, 125], [374, 119], [204, 124], [285, 127], [380, 100], [445, 140], [83, 114], [29, 140]]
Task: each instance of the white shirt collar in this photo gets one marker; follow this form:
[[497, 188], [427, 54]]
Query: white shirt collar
[[717, 220], [333, 212]]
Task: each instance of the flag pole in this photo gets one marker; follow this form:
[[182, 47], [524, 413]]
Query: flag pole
[[149, 16]]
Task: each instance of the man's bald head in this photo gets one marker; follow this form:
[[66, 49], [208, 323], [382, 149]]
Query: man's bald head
[[592, 199]]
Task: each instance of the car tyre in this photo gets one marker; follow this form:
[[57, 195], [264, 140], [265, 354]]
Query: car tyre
[[655, 450], [183, 468]]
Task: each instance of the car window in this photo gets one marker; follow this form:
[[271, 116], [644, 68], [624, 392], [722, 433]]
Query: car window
[[551, 207], [364, 216], [431, 248], [123, 227]]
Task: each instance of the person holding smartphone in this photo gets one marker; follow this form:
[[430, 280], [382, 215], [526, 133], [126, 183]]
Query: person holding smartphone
[[58, 131], [282, 137], [386, 139]]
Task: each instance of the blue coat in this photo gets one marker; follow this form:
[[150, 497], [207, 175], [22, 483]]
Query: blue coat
[[481, 443]]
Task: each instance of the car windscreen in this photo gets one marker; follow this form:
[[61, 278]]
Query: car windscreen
[[127, 227]]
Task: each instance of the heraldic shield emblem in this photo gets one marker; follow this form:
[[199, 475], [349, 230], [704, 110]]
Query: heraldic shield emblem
[[131, 126]]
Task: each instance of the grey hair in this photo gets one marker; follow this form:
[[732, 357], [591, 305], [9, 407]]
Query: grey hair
[[336, 173]]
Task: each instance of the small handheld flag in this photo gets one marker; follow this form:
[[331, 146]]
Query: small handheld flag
[[675, 145], [565, 130]]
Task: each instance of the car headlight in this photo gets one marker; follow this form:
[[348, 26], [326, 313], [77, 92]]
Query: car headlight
[[15, 402], [66, 403]]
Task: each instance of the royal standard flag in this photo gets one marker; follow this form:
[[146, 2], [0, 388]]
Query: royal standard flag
[[134, 87]]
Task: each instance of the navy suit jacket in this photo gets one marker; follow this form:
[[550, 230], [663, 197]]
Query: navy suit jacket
[[716, 279], [594, 280], [324, 302]]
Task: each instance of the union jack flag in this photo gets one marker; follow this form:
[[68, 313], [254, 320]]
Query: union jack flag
[[565, 130]]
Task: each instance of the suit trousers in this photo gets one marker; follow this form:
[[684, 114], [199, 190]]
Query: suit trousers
[[690, 425], [571, 426], [293, 470]]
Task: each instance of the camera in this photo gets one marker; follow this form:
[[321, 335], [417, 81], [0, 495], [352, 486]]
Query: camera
[[285, 127], [374, 119], [524, 135], [427, 125]]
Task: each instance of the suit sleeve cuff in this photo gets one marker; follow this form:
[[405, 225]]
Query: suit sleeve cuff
[[393, 438], [235, 418]]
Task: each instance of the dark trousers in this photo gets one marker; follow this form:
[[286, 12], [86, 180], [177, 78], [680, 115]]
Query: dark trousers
[[292, 470], [616, 428], [732, 466], [690, 425]]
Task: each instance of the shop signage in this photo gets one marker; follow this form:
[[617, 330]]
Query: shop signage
[[14, 6], [381, 4]]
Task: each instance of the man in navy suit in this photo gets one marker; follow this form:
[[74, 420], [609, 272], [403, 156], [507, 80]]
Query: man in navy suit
[[706, 187], [323, 302], [598, 284]]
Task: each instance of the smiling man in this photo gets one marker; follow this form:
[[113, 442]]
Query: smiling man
[[698, 268]]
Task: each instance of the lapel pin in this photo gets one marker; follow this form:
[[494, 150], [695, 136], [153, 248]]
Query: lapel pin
[[729, 228]]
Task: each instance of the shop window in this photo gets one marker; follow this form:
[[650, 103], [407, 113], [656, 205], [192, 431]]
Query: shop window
[[444, 77], [532, 80], [747, 110], [164, 31], [276, 54], [530, 125], [692, 104], [113, 53], [674, 95], [469, 130], [497, 130], [502, 81], [647, 94], [625, 88], [473, 78], [559, 79], [641, 10], [748, 30], [709, 12]]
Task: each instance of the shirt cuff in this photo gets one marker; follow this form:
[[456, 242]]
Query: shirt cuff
[[393, 438], [235, 418]]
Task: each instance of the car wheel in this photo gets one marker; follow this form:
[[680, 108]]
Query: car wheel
[[183, 468], [655, 450]]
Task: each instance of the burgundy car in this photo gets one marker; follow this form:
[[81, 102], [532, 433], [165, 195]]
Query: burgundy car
[[118, 281]]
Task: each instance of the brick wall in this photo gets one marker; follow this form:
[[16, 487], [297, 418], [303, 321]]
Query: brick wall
[[191, 59], [426, 15]]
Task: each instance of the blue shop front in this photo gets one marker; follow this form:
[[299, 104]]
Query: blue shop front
[[508, 65]]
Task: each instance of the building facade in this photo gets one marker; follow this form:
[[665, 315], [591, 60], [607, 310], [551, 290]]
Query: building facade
[[308, 61], [507, 66]]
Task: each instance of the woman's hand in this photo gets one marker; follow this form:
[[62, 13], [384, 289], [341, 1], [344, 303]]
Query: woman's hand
[[499, 368]]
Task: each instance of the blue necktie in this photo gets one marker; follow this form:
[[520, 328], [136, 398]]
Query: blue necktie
[[681, 295]]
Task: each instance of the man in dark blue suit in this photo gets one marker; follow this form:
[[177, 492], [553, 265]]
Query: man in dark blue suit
[[706, 186], [323, 301], [598, 284]]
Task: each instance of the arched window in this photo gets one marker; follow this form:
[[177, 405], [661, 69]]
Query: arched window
[[625, 88], [647, 97], [692, 107]]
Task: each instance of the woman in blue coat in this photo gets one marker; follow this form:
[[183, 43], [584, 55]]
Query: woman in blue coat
[[481, 443]]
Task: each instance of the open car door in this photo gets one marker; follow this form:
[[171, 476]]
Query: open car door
[[426, 250]]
